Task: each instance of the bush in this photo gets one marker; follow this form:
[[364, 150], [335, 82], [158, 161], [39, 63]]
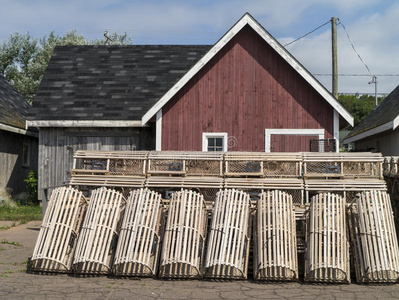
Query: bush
[[31, 188]]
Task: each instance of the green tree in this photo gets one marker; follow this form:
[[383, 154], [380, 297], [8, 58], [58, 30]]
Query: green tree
[[23, 59], [358, 106]]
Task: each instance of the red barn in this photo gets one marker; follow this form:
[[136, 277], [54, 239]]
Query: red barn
[[246, 94]]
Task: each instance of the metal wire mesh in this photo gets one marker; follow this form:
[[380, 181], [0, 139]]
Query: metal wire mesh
[[322, 145], [264, 167]]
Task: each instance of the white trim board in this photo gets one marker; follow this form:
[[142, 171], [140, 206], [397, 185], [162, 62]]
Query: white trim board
[[270, 132], [18, 130], [248, 20], [158, 131], [336, 128], [376, 130], [205, 136], [77, 123]]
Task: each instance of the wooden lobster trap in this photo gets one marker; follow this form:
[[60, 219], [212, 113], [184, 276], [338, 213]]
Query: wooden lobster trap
[[394, 166], [184, 182], [374, 238], [260, 164], [386, 166], [275, 248], [110, 169], [229, 237], [343, 165], [343, 186], [98, 237], [327, 253], [55, 244], [184, 239], [122, 163], [293, 186], [139, 241], [185, 163]]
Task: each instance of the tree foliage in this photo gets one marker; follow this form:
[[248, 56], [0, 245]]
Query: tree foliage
[[23, 59], [359, 106]]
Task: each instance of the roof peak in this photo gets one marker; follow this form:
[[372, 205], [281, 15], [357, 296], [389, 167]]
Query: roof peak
[[245, 20]]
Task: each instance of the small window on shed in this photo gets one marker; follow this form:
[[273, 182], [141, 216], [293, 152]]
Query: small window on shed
[[212, 141], [26, 155]]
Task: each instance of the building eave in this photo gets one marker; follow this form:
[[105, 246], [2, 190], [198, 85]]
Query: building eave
[[84, 123], [384, 127], [12, 129]]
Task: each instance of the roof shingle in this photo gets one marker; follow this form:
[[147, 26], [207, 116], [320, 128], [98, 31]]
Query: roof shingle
[[386, 112], [110, 82], [13, 107]]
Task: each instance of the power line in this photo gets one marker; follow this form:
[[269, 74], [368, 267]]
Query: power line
[[353, 47], [363, 75], [360, 93], [307, 34]]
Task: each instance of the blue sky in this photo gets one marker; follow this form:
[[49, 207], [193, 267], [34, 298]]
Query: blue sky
[[372, 25]]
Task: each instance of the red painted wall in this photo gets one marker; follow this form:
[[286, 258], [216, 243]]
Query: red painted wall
[[246, 88]]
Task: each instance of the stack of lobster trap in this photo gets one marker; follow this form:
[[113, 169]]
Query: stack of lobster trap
[[193, 215]]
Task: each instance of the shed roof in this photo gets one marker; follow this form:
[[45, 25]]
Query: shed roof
[[113, 83], [384, 117], [13, 107]]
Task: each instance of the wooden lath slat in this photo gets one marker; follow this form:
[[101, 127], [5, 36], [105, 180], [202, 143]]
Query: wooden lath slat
[[139, 240], [280, 165], [374, 238], [229, 237], [193, 163], [97, 240], [58, 234], [184, 239], [327, 253], [275, 248], [343, 165]]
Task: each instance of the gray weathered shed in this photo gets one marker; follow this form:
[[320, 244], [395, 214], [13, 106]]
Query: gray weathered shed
[[94, 98], [379, 131], [18, 144]]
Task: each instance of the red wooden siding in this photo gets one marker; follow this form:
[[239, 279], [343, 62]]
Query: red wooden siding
[[246, 88]]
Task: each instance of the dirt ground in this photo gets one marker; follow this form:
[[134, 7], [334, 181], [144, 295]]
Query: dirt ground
[[17, 244]]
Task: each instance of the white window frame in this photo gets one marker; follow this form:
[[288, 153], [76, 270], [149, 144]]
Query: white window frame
[[206, 135], [270, 132]]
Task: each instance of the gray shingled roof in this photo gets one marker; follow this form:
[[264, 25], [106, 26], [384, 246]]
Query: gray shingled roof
[[386, 112], [13, 107], [110, 82]]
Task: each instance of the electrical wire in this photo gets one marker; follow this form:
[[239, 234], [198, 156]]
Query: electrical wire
[[307, 34], [355, 75], [353, 47]]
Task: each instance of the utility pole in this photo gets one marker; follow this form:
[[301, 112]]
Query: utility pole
[[334, 57], [376, 98]]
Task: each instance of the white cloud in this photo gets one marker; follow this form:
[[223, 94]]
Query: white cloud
[[371, 24]]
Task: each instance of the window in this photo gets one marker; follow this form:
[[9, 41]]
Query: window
[[214, 141], [26, 155]]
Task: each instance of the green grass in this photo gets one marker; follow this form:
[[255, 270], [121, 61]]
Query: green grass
[[4, 241], [22, 214]]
